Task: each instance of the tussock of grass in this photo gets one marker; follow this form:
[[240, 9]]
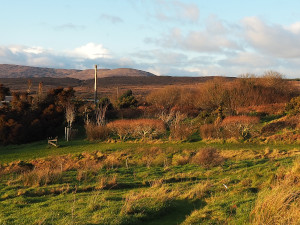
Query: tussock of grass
[[281, 203], [149, 201]]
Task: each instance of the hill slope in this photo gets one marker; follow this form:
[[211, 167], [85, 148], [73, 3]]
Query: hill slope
[[17, 71]]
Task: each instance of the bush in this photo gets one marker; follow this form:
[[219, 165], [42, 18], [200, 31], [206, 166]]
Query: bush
[[181, 132], [127, 100], [179, 160], [210, 131], [239, 126], [287, 122], [94, 132], [293, 107], [208, 157], [139, 128]]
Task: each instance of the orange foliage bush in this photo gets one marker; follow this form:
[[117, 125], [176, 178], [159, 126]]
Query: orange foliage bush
[[94, 132], [239, 126], [139, 128], [210, 131], [181, 132], [269, 109]]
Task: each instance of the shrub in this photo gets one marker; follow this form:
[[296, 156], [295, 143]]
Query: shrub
[[94, 132], [210, 131], [127, 100], [139, 128], [152, 156], [287, 122], [239, 126], [181, 132], [208, 157], [179, 159], [293, 107]]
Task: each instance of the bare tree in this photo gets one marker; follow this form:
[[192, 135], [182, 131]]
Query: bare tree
[[100, 112], [70, 117]]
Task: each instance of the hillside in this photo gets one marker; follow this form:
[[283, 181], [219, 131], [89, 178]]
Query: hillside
[[17, 71], [121, 72]]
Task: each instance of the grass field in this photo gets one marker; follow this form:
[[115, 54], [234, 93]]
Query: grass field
[[85, 182]]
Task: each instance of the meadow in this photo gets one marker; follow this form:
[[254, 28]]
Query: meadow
[[84, 182]]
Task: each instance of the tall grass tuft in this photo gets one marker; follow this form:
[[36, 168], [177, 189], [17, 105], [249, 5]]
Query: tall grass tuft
[[281, 203]]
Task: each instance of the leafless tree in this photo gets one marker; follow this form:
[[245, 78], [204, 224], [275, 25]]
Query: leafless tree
[[70, 117], [100, 112]]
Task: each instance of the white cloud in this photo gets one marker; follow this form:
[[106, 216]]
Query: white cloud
[[34, 50], [215, 37], [275, 40], [295, 27], [82, 57], [90, 51], [248, 60]]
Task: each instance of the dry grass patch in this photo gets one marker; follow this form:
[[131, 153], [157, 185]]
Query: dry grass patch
[[198, 191], [151, 200], [281, 203], [208, 157]]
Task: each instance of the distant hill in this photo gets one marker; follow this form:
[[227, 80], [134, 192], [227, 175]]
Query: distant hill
[[122, 72], [17, 71]]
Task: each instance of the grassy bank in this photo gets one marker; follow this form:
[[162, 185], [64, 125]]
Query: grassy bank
[[85, 182]]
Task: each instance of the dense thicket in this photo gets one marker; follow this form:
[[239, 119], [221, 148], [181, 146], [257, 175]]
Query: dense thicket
[[28, 119], [248, 90]]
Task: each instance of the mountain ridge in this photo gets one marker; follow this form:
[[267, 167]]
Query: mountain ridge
[[19, 71]]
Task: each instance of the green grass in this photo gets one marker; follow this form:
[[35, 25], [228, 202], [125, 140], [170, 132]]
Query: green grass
[[41, 149], [69, 200]]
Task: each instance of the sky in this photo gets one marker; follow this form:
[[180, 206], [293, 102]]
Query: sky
[[165, 37]]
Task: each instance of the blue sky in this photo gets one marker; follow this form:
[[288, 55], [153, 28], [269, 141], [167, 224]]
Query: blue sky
[[166, 37]]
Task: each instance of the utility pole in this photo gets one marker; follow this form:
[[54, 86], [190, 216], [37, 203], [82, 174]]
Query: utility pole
[[95, 87]]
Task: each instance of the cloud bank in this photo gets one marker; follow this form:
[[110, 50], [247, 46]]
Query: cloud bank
[[216, 48]]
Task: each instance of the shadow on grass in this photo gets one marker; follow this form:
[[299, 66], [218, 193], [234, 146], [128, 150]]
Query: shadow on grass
[[177, 213]]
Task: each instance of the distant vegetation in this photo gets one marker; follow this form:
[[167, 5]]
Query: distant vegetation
[[217, 109]]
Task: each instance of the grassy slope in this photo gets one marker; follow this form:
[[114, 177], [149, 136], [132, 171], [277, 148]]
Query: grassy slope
[[73, 201], [40, 149]]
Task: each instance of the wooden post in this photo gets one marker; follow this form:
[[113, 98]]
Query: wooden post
[[68, 133], [95, 86]]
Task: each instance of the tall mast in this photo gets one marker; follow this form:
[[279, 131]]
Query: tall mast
[[95, 87]]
